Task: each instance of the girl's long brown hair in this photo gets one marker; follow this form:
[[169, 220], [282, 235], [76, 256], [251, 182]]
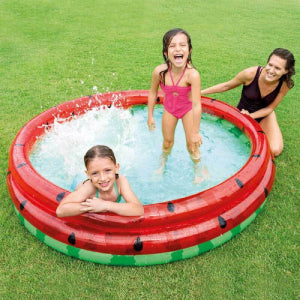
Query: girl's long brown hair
[[166, 42]]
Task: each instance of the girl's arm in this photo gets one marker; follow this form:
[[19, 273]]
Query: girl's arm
[[132, 207], [197, 108], [270, 108], [71, 205], [245, 77], [153, 95]]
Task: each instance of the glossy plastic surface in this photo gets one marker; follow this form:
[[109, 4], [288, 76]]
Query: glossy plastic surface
[[168, 231]]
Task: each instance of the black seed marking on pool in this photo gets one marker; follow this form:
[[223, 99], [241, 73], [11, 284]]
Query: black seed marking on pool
[[22, 204], [171, 207], [266, 192], [222, 222], [21, 165], [138, 244], [239, 183], [72, 239], [60, 196]]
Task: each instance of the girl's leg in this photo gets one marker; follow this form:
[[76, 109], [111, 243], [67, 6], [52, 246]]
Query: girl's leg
[[200, 172], [187, 122], [271, 128], [169, 123]]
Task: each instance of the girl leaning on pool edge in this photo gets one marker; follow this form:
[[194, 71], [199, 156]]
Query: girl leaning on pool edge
[[263, 89], [104, 189]]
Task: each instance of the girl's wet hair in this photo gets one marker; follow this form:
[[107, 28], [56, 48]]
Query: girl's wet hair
[[290, 64], [99, 151], [166, 43]]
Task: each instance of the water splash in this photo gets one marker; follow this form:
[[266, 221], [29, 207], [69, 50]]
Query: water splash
[[59, 155]]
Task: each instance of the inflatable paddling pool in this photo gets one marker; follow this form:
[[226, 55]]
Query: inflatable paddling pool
[[168, 231]]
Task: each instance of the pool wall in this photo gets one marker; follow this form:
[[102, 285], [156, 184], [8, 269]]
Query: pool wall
[[169, 230]]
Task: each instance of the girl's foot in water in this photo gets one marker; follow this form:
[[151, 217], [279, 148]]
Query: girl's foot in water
[[201, 174], [163, 160], [161, 168]]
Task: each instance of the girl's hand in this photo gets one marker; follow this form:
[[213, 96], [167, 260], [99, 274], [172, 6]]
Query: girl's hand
[[94, 205], [196, 142], [196, 139], [151, 123]]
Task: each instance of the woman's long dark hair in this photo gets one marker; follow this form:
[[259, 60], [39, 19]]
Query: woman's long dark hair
[[166, 42], [290, 64]]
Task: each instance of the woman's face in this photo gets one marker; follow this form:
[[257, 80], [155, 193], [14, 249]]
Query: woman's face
[[275, 68]]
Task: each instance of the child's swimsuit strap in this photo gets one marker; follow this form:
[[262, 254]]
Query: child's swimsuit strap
[[179, 77], [117, 192]]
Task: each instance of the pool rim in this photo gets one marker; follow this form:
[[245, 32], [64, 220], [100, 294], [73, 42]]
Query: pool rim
[[169, 214]]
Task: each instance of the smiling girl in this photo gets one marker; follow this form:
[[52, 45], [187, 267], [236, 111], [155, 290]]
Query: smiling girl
[[180, 82], [103, 190], [263, 89]]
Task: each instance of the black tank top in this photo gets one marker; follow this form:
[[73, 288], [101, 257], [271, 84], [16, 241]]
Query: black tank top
[[251, 99]]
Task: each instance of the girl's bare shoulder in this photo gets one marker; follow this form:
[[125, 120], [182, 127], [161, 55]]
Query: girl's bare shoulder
[[122, 184], [122, 179], [86, 187], [161, 68], [192, 74]]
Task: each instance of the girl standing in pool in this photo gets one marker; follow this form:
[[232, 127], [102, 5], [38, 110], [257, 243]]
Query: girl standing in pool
[[103, 190], [180, 82], [263, 89]]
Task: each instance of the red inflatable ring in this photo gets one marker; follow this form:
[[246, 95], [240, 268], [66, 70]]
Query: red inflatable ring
[[168, 231]]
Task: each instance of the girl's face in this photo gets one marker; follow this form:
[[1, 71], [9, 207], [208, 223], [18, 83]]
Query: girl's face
[[178, 50], [275, 68], [102, 171]]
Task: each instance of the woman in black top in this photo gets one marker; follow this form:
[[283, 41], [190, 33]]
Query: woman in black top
[[263, 90]]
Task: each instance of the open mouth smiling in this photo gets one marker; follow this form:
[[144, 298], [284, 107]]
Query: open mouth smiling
[[178, 57], [104, 184]]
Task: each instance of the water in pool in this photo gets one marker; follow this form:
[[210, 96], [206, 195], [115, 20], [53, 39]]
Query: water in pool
[[58, 155]]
